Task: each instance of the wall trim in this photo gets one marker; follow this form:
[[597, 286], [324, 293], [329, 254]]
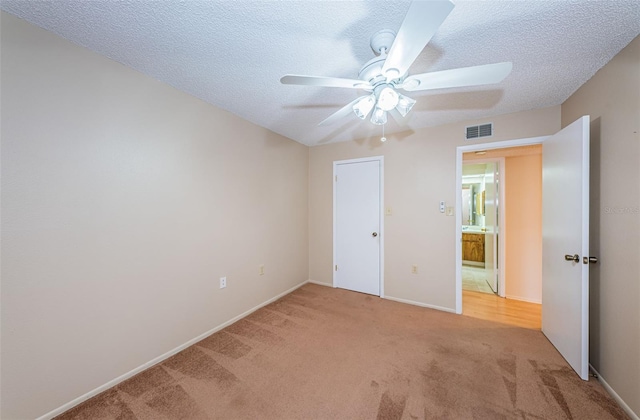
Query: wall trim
[[615, 395], [155, 361], [395, 299], [538, 301], [424, 305], [320, 283]]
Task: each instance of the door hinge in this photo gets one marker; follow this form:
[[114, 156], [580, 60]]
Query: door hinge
[[336, 267]]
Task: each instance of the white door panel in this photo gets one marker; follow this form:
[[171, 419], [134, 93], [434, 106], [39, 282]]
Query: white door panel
[[565, 231], [357, 226]]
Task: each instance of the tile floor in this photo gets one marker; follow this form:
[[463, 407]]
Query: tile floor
[[475, 279]]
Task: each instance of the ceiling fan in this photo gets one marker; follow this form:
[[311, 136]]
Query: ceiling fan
[[387, 74]]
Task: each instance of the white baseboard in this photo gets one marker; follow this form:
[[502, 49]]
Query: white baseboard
[[615, 395], [320, 283], [424, 305], [159, 359], [538, 301]]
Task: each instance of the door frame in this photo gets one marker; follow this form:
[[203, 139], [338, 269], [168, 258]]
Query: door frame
[[474, 148], [379, 159]]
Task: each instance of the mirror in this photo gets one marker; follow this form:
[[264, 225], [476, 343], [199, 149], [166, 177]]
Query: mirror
[[476, 177], [471, 203]]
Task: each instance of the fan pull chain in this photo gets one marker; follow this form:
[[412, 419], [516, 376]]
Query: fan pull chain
[[383, 138]]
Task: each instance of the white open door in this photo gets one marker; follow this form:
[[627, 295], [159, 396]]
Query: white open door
[[565, 243], [357, 225]]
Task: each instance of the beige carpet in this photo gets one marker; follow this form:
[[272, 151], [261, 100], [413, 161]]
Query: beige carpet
[[323, 353]]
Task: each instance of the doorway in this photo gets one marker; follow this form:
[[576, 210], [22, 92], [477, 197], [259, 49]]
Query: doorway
[[523, 254], [358, 225], [493, 176]]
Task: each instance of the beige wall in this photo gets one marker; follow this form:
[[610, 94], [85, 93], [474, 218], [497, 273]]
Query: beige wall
[[523, 236], [123, 202], [419, 172], [612, 99]]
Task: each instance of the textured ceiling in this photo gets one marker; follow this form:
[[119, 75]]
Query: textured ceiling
[[233, 53]]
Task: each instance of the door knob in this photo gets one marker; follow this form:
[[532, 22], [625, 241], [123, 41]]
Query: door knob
[[574, 258], [374, 234], [589, 260]]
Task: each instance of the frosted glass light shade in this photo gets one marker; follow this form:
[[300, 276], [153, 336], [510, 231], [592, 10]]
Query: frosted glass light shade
[[379, 116], [387, 98], [404, 105], [363, 107]]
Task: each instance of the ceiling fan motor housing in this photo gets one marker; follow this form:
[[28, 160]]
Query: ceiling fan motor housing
[[372, 70], [380, 42]]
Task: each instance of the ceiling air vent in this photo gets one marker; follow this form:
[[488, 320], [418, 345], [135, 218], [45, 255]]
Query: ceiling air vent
[[477, 131]]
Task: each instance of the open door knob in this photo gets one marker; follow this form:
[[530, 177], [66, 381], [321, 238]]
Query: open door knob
[[574, 258], [374, 234]]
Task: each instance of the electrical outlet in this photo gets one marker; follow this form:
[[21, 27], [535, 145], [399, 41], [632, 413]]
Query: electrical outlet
[[223, 282], [261, 269], [414, 269]]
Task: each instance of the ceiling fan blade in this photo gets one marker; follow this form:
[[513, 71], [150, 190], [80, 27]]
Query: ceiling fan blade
[[295, 79], [341, 113], [420, 24], [466, 76]]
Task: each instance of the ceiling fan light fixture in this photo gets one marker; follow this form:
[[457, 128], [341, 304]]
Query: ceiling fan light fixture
[[387, 73], [387, 98], [379, 116], [405, 104], [363, 107]]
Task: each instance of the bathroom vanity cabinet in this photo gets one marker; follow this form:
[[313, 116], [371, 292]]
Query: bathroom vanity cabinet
[[473, 247]]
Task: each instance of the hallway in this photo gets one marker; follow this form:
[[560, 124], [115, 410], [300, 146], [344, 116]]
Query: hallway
[[507, 311]]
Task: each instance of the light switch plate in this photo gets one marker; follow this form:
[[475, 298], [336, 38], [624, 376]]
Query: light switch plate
[[449, 211]]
